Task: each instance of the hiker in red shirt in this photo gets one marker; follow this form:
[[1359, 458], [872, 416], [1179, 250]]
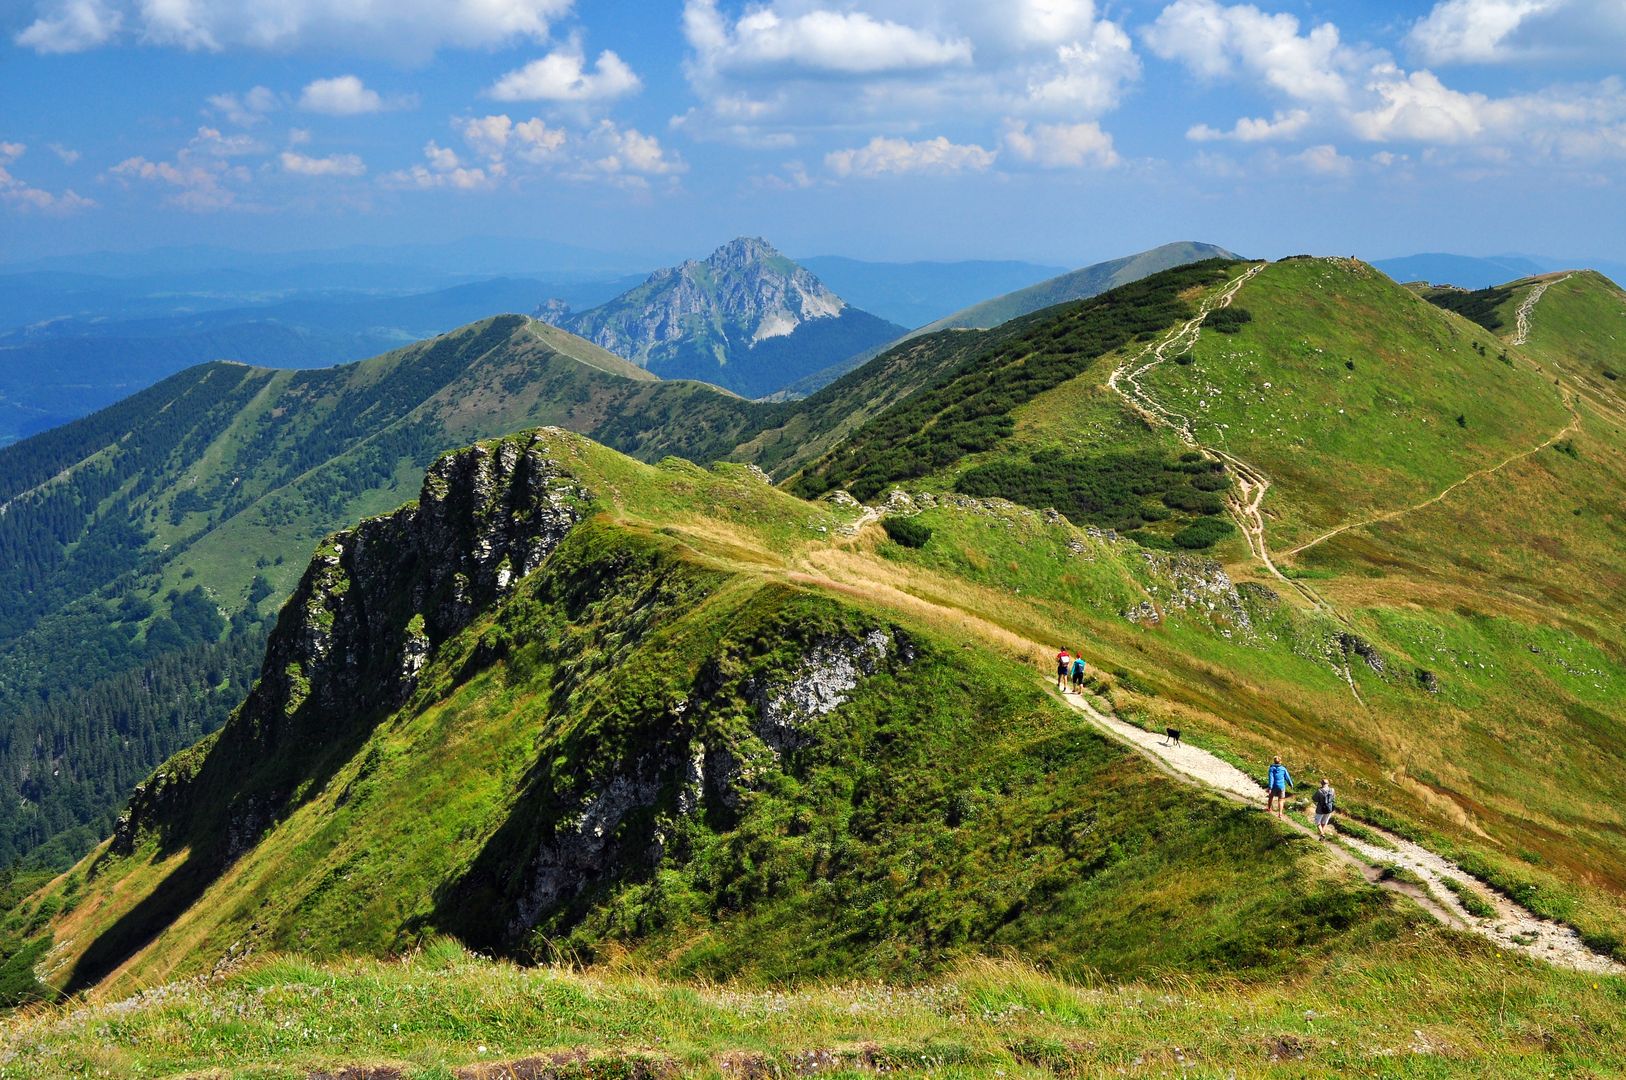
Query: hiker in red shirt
[[1064, 664]]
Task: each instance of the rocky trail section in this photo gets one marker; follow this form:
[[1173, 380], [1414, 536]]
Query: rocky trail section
[[1527, 308], [1512, 927], [1252, 484]]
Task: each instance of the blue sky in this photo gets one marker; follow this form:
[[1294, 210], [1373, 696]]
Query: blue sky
[[1056, 130]]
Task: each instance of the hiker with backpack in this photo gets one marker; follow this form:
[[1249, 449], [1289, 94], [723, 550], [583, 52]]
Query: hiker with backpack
[[1078, 674], [1277, 782], [1064, 667], [1326, 804]]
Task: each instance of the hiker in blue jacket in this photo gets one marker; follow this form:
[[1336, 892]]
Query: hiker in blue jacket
[[1276, 785]]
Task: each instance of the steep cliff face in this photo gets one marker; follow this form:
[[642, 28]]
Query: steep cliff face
[[746, 317], [368, 614]]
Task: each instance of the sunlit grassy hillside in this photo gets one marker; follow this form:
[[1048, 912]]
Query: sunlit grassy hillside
[[1418, 1008]]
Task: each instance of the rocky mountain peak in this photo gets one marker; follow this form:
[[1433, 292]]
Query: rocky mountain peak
[[710, 318]]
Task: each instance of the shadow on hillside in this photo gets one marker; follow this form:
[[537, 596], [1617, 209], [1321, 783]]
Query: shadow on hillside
[[138, 927], [237, 797]]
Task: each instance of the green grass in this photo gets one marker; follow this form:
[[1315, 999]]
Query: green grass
[[1024, 831], [1472, 902], [1343, 443], [1427, 1009]]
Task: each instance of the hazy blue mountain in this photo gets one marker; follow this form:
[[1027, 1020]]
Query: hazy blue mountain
[[1481, 272], [1467, 271], [61, 362], [915, 293]]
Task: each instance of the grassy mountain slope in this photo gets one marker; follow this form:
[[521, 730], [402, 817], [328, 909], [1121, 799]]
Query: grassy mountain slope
[[1075, 285], [1032, 418], [1578, 327], [1491, 613], [680, 743], [141, 532], [621, 753], [1360, 373]]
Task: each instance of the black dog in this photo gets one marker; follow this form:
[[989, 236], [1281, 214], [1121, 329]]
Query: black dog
[[1171, 736]]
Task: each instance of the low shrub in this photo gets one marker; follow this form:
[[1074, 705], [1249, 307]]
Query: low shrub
[[1228, 320], [1203, 534], [906, 531]]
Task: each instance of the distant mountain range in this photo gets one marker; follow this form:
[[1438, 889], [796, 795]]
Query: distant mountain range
[[745, 318], [1481, 272], [71, 344]]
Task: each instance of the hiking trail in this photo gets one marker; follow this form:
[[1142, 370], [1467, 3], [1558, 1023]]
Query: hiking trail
[[1252, 484], [1527, 307], [1512, 927], [1570, 428]]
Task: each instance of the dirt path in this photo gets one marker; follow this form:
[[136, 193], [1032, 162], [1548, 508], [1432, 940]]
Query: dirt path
[[1252, 484], [1512, 927], [1521, 317], [1570, 428]]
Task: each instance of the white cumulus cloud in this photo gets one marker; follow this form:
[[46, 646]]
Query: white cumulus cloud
[[1057, 146], [408, 28], [246, 109], [1215, 40], [17, 194], [1328, 85], [776, 73], [70, 26], [1554, 32], [347, 95], [1472, 30], [443, 168], [332, 165], [562, 75], [1089, 74], [203, 175], [886, 156], [495, 136], [845, 42], [1283, 125], [1324, 160]]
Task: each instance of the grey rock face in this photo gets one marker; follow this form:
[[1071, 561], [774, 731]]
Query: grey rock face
[[375, 602], [590, 838], [578, 847], [816, 687], [744, 293], [1185, 583], [379, 597]]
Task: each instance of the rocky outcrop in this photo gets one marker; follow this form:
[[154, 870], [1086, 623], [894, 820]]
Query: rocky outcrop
[[815, 687], [744, 287], [624, 820], [1187, 583], [367, 616], [378, 598]]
